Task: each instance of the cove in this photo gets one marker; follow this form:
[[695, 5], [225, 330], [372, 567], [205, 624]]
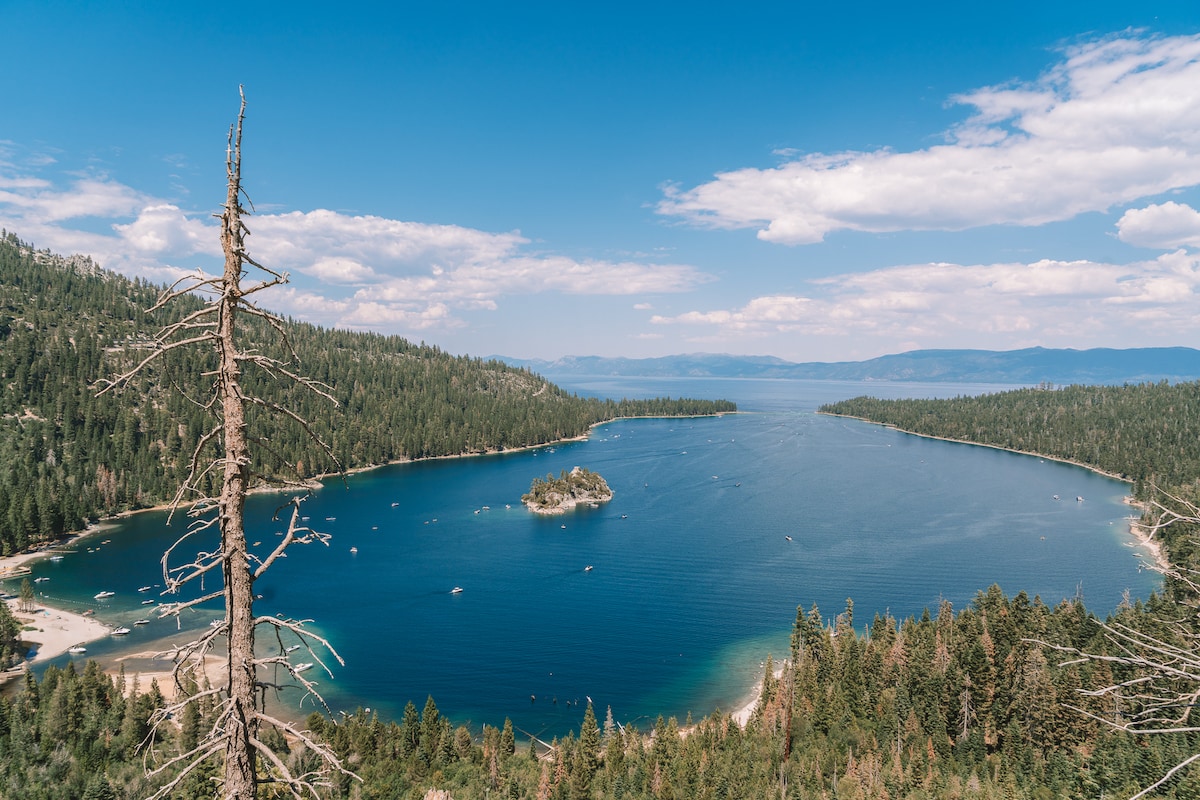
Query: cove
[[694, 579]]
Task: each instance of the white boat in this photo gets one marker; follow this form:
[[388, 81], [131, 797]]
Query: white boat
[[41, 579], [56, 558], [141, 622], [588, 568], [77, 649], [144, 589], [102, 595], [147, 602], [353, 549], [292, 649], [120, 631], [303, 667], [787, 537], [456, 590], [331, 519]]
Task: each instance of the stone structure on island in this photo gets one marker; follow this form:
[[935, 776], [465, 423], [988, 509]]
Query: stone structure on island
[[551, 495]]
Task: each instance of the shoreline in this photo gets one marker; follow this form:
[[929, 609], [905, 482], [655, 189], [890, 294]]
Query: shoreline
[[55, 631], [1059, 459], [1144, 538], [71, 629]]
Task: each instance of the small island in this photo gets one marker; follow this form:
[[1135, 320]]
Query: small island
[[551, 495]]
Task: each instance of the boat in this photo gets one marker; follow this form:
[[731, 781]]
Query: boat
[[395, 504], [102, 595], [41, 579], [141, 622], [1079, 498], [120, 631], [56, 558], [147, 602], [588, 568], [787, 537], [353, 549], [303, 667], [144, 589], [77, 649], [292, 649], [331, 519], [456, 590]]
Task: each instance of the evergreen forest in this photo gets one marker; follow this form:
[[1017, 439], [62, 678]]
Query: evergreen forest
[[1000, 699], [69, 456]]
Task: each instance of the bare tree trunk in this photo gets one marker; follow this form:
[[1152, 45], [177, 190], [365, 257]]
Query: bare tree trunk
[[240, 783], [234, 733]]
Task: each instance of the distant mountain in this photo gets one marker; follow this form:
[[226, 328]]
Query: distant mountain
[[1030, 366]]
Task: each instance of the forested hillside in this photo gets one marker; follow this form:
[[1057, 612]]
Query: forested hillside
[[1147, 433], [68, 455], [956, 706]]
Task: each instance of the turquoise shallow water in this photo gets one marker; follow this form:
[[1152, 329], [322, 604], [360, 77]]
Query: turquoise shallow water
[[694, 581]]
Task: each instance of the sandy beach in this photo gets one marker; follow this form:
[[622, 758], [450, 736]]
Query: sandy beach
[[55, 631]]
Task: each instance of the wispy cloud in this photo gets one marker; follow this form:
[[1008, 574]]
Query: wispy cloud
[[1116, 120], [352, 271], [1053, 303]]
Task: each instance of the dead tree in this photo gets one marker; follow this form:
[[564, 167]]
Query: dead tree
[[226, 452], [1162, 690]]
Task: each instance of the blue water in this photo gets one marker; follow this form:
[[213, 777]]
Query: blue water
[[694, 581]]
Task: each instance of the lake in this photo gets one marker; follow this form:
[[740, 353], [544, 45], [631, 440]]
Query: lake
[[693, 578]]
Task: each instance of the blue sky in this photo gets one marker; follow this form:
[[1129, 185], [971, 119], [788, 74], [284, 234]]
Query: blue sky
[[637, 179]]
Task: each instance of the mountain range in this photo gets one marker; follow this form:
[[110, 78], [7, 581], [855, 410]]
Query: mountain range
[[1030, 366]]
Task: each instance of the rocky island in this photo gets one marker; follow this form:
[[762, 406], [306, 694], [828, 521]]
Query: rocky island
[[551, 495]]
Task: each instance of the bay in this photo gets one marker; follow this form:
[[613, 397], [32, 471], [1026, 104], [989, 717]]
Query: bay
[[693, 578]]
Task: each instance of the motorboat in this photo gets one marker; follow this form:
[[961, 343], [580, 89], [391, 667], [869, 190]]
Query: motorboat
[[302, 667], [456, 590], [77, 649], [145, 588], [102, 595], [141, 622], [120, 631]]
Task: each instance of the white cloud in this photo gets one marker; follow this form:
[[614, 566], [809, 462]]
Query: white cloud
[[164, 230], [1052, 303], [1116, 120], [1168, 225], [405, 276]]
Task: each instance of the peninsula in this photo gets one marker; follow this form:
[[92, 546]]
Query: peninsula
[[552, 495]]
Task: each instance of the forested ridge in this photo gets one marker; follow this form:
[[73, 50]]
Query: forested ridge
[[68, 456], [1146, 433]]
